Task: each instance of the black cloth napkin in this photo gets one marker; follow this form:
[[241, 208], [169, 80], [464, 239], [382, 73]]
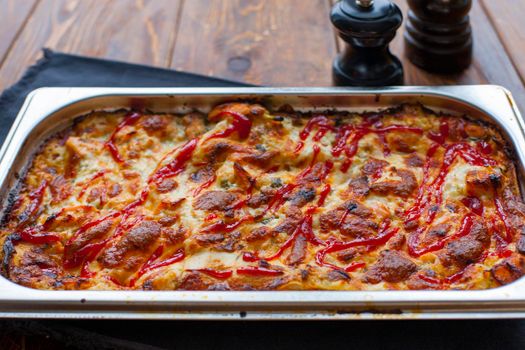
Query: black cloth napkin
[[58, 69]]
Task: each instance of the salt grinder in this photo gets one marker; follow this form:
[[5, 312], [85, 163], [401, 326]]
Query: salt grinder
[[367, 27], [438, 37]]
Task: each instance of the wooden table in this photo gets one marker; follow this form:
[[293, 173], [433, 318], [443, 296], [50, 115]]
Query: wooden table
[[268, 42]]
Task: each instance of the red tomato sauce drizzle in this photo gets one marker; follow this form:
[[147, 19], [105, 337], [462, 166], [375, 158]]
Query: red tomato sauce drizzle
[[466, 225], [249, 191], [34, 234], [503, 217], [205, 185], [35, 202], [221, 226], [354, 133], [129, 119], [97, 175], [304, 227], [257, 271], [332, 245], [240, 124], [430, 195], [152, 263], [278, 198], [474, 204], [177, 165], [442, 283], [441, 136], [90, 251], [214, 273], [346, 142]]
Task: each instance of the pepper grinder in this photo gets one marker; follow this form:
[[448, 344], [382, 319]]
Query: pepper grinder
[[367, 27], [438, 37]]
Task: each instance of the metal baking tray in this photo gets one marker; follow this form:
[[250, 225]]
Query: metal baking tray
[[49, 110]]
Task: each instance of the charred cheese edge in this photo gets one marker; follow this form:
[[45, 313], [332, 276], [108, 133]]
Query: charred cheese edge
[[250, 199]]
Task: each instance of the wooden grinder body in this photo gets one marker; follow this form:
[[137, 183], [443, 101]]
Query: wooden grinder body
[[438, 36]]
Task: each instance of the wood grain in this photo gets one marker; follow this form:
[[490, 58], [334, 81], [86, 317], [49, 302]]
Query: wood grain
[[266, 42], [270, 42], [140, 31], [13, 15], [507, 19], [490, 65]]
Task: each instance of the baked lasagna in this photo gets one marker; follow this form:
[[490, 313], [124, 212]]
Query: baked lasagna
[[245, 198]]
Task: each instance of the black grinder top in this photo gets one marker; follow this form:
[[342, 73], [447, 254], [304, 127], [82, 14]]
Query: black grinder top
[[367, 26]]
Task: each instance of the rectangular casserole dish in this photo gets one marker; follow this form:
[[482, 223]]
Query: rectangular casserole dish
[[49, 110]]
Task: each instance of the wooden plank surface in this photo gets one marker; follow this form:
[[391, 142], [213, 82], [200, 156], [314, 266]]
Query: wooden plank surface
[[141, 31], [13, 16], [268, 42], [490, 61], [507, 18], [264, 42], [490, 64]]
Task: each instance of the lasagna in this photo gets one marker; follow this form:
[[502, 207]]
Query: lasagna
[[247, 198]]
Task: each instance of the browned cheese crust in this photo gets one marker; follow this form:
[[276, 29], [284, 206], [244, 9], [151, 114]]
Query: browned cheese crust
[[250, 199]]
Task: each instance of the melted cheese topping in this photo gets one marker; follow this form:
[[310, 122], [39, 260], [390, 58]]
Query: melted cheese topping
[[245, 198]]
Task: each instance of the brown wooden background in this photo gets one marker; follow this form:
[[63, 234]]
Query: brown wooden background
[[269, 42]]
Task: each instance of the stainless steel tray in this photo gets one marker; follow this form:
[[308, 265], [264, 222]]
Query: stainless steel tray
[[48, 110]]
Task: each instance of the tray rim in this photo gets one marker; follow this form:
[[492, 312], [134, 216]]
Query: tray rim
[[494, 303]]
